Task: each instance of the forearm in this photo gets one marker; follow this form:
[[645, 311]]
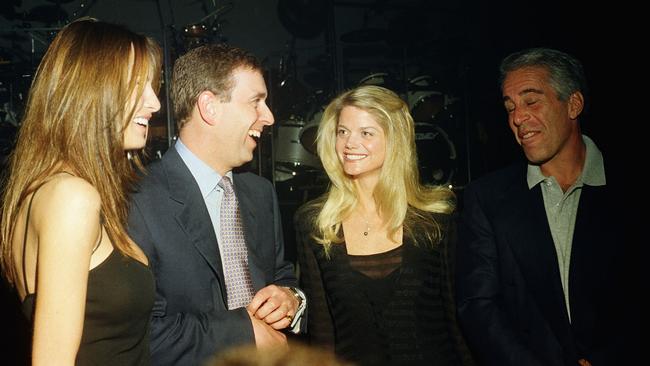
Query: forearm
[[188, 339], [319, 327]]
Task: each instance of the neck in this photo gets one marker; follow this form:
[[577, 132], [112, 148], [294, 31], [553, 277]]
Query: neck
[[201, 145], [567, 165], [367, 210]]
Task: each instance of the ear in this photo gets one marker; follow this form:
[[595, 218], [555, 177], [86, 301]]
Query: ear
[[576, 104], [208, 104]]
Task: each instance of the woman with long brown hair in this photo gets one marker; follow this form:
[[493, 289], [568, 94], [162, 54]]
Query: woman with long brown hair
[[82, 281]]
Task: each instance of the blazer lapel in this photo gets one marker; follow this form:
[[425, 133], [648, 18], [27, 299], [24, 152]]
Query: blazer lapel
[[532, 245], [192, 215]]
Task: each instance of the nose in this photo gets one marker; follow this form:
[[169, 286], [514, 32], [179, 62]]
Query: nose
[[352, 140], [266, 116], [518, 116], [151, 101]]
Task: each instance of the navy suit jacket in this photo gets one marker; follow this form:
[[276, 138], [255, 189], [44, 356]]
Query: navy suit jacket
[[510, 300], [169, 220]]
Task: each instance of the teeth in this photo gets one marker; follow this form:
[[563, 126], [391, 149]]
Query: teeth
[[528, 134], [354, 157], [254, 133], [141, 121]]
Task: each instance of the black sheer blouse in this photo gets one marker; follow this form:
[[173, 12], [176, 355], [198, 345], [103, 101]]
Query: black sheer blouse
[[391, 308]]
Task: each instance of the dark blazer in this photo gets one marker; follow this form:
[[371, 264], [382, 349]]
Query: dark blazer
[[169, 220], [510, 299]]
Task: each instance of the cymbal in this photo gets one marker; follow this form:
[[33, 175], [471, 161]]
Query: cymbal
[[364, 35]]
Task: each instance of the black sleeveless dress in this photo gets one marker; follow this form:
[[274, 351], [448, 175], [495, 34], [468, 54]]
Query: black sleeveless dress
[[119, 300]]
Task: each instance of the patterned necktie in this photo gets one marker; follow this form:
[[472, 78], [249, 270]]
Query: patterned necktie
[[239, 286]]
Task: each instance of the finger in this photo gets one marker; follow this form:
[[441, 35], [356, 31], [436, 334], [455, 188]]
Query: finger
[[284, 322], [278, 314], [270, 306], [259, 299]]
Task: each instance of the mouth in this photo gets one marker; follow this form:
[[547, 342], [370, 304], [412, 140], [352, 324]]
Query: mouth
[[527, 135], [255, 134], [354, 157], [142, 121]]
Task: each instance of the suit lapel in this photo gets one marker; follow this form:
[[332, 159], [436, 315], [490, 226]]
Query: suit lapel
[[532, 245], [595, 257], [192, 215], [250, 221]]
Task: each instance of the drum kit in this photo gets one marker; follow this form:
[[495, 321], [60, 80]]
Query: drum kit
[[294, 144]]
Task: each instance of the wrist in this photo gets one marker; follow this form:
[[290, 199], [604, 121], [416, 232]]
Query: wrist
[[296, 294]]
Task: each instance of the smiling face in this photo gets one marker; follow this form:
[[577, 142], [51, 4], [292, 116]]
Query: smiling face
[[135, 133], [360, 143], [242, 118], [542, 124]]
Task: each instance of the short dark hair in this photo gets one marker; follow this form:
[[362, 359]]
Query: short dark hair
[[208, 67], [566, 75]]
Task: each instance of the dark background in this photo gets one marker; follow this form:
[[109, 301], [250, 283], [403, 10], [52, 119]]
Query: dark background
[[441, 56]]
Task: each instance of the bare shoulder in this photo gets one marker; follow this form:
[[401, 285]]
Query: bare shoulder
[[67, 194]]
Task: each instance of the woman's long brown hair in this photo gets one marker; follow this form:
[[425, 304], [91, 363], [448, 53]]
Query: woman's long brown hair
[[77, 111]]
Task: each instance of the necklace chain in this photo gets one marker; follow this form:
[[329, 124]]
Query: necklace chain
[[365, 233]]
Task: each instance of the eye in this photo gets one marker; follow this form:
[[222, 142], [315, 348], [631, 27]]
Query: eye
[[341, 132], [368, 133], [531, 102]]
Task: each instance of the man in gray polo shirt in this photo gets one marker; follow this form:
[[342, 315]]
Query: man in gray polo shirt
[[539, 263]]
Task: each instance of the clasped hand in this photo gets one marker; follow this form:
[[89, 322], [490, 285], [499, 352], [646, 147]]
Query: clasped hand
[[272, 309], [275, 305]]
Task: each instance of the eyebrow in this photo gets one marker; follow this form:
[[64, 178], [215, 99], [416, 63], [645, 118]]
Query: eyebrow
[[258, 95], [361, 128], [524, 92]]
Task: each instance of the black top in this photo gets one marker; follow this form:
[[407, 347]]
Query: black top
[[119, 300], [391, 308]]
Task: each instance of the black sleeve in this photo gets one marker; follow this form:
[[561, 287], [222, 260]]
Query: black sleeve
[[320, 328]]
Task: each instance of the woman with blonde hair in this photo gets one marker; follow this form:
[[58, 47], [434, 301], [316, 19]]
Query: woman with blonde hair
[[374, 249], [83, 283]]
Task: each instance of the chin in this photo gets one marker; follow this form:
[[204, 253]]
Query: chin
[[129, 147]]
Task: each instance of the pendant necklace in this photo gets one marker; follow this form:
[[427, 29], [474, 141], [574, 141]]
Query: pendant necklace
[[367, 231]]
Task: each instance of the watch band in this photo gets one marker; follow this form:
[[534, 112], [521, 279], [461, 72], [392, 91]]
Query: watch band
[[296, 294]]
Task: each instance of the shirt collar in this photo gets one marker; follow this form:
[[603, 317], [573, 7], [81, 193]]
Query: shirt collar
[[206, 177], [593, 172]]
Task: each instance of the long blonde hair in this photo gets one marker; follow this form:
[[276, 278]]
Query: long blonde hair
[[399, 196], [75, 116]]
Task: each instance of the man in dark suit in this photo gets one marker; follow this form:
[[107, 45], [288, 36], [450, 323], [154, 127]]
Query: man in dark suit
[[539, 277], [219, 100]]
